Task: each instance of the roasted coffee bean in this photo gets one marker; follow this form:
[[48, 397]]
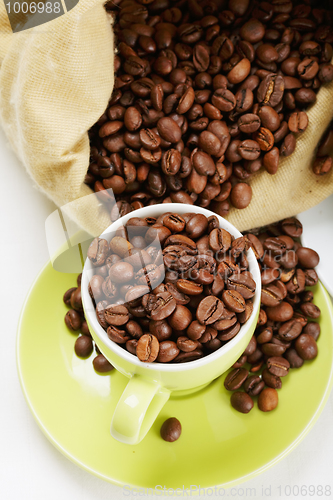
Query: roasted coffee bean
[[73, 320], [244, 284], [98, 251], [101, 364], [298, 122], [268, 399], [271, 90], [294, 359], [249, 123], [168, 351], [148, 348], [116, 335], [219, 240], [233, 301], [235, 379], [307, 258], [310, 310], [271, 380], [181, 318], [67, 296], [171, 430], [241, 402], [83, 346], [253, 385], [312, 329], [116, 315], [306, 346], [322, 165], [278, 366], [210, 309], [241, 195]]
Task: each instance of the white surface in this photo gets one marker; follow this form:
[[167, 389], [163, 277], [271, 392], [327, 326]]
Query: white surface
[[318, 234], [30, 468]]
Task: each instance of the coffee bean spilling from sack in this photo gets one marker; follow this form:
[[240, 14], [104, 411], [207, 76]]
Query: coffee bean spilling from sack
[[204, 97], [171, 289], [287, 330]]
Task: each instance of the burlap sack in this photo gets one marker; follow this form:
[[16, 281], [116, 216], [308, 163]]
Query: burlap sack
[[55, 82]]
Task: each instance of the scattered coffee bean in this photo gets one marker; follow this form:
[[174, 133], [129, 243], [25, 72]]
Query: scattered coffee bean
[[268, 399], [241, 401], [171, 430], [101, 364], [83, 346]]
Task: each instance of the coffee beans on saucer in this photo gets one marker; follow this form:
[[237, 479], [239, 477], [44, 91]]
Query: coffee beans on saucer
[[171, 430], [173, 288], [287, 331], [206, 94], [76, 323]]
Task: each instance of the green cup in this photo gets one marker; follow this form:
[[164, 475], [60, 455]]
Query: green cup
[[151, 384]]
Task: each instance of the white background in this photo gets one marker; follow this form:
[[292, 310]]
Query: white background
[[30, 468]]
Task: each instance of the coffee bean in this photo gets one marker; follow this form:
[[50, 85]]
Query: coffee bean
[[241, 402], [168, 351], [307, 257], [265, 139], [116, 315], [233, 301], [271, 90], [269, 118], [271, 380], [294, 359], [210, 309], [249, 123], [101, 364], [98, 251], [73, 320], [235, 379], [268, 399], [249, 149], [278, 366], [67, 296], [322, 165], [241, 195], [298, 122], [169, 130], [148, 348], [312, 329], [239, 72], [171, 430], [252, 31], [83, 346], [254, 385], [306, 346]]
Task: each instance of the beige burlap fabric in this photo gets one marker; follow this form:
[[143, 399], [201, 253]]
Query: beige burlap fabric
[[55, 82]]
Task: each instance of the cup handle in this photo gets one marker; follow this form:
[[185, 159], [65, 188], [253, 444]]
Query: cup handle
[[137, 409]]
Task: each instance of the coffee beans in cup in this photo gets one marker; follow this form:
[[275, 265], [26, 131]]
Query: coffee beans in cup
[[206, 94], [171, 289], [287, 330]]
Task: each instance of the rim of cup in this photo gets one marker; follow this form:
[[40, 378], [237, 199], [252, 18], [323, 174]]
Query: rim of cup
[[89, 309]]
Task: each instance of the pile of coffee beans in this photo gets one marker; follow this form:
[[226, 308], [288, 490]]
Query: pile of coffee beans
[[207, 92], [171, 289], [323, 162], [287, 330]]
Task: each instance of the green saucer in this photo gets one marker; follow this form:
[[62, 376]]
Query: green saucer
[[73, 405]]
